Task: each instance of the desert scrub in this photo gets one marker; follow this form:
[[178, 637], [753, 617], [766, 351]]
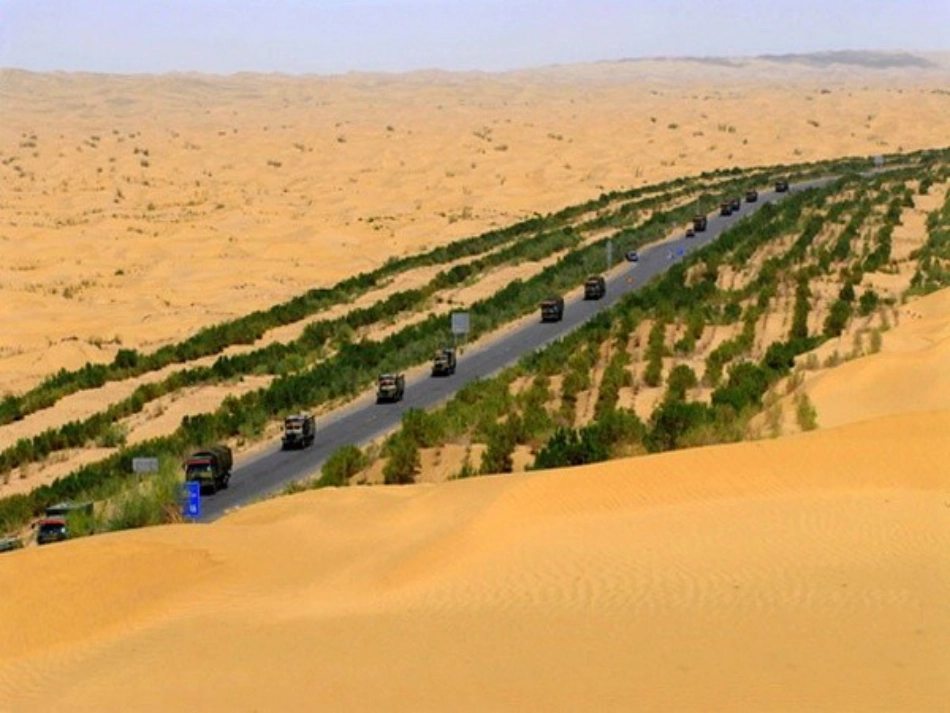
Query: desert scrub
[[805, 413]]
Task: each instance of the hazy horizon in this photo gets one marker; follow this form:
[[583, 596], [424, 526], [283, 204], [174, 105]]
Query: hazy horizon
[[341, 36]]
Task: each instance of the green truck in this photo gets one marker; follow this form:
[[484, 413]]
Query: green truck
[[210, 467]]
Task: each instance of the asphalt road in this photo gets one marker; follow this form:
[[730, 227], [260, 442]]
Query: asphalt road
[[364, 420]]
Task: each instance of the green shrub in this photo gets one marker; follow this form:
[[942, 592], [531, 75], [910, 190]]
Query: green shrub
[[403, 463], [496, 458], [570, 447], [343, 464]]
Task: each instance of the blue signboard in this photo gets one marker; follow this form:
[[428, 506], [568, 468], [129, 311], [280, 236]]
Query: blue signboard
[[191, 500]]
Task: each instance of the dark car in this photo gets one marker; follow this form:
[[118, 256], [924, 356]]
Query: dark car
[[781, 185], [51, 529], [633, 256], [751, 195], [725, 208]]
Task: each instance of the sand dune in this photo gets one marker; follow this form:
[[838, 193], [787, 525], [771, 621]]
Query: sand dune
[[802, 573]]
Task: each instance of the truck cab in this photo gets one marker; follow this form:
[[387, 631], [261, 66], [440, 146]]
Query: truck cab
[[595, 287], [390, 387], [699, 223], [443, 363], [211, 468], [552, 309], [299, 431], [51, 529]]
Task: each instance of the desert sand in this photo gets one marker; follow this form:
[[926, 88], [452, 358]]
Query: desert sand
[[139, 209], [810, 572]]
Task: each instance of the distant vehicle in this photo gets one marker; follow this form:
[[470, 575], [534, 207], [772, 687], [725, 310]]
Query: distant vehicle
[[299, 431], [552, 309], [736, 204], [54, 527], [210, 467], [725, 208], [390, 387], [595, 287], [633, 256], [443, 363], [751, 195], [51, 529], [781, 185], [8, 544], [699, 223], [691, 232]]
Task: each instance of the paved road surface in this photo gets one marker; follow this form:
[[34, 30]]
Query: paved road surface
[[361, 422]]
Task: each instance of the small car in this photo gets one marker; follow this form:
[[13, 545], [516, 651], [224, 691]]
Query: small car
[[690, 232], [633, 256]]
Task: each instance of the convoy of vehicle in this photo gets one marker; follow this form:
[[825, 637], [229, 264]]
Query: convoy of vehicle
[[390, 388], [210, 467], [299, 431], [552, 309], [443, 363], [595, 287]]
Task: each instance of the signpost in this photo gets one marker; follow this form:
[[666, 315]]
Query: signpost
[[144, 465], [461, 325], [191, 500]]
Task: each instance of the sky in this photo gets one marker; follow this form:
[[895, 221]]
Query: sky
[[339, 36]]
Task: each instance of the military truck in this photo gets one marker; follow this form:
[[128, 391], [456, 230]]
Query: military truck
[[751, 195], [781, 185], [552, 309], [210, 467], [299, 431], [443, 363], [699, 223], [595, 287], [736, 204], [390, 387], [725, 208]]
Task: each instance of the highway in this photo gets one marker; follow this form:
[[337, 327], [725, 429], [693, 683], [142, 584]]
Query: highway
[[362, 421]]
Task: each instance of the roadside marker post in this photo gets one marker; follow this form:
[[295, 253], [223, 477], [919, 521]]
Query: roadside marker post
[[191, 500]]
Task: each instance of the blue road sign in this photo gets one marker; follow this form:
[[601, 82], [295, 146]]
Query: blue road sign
[[191, 502]]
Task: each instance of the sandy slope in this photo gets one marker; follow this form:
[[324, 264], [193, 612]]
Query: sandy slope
[[806, 573]]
